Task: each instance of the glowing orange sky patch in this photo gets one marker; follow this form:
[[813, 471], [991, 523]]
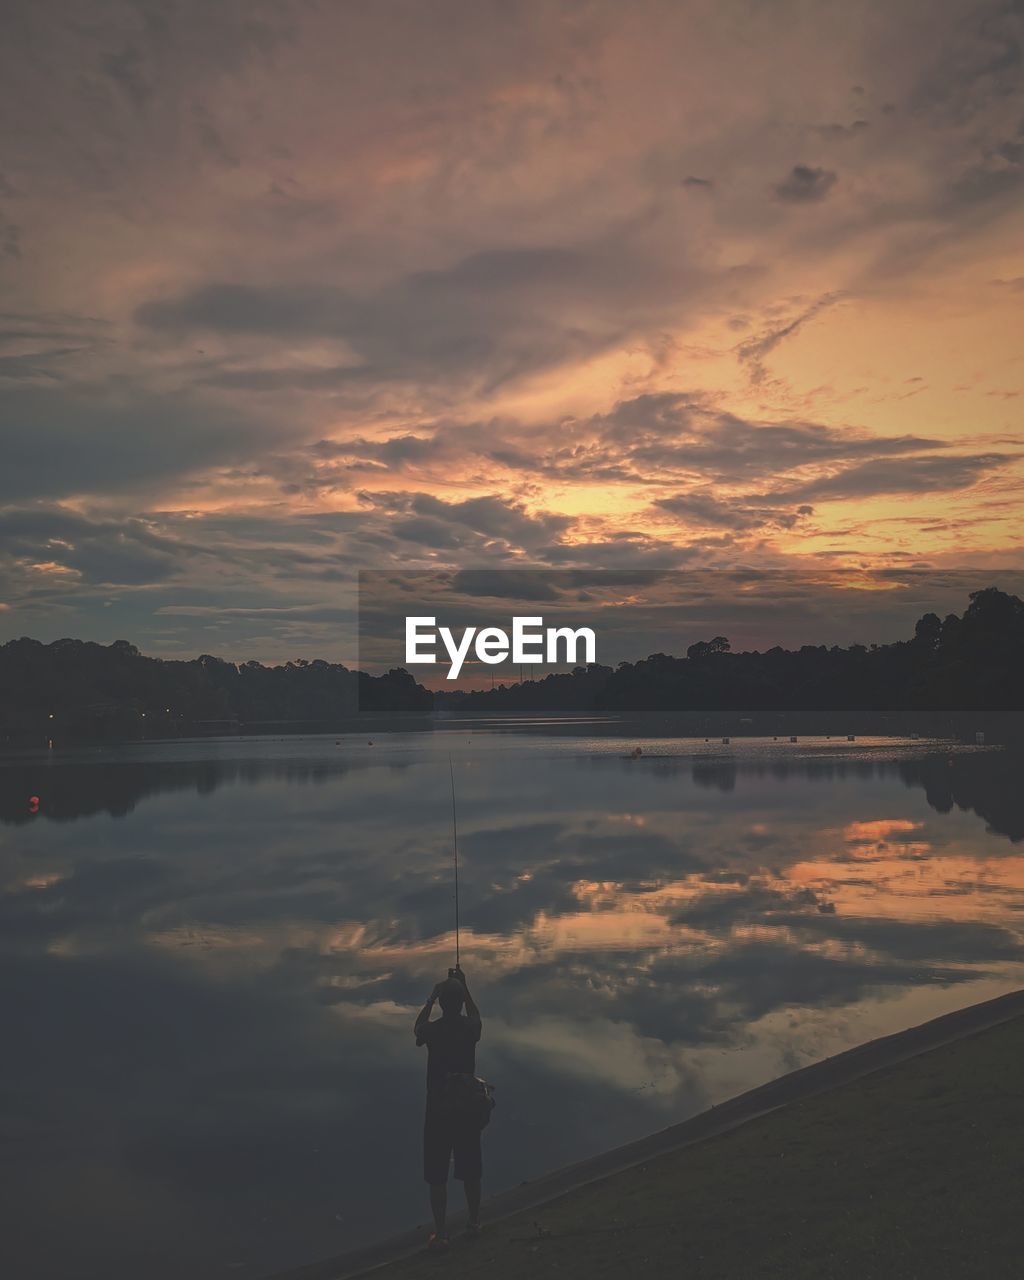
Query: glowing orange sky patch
[[879, 829]]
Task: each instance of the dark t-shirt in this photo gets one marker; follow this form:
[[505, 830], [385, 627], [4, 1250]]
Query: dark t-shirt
[[451, 1048]]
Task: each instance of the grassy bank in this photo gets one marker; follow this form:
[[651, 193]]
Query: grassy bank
[[915, 1171]]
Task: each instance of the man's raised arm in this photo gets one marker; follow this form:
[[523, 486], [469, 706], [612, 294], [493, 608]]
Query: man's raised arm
[[423, 1017], [472, 1012]]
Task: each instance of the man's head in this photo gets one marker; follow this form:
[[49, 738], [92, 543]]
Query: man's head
[[451, 997]]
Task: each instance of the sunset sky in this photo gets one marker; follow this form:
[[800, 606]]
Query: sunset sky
[[292, 290]]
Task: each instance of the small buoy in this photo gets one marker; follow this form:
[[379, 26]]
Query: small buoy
[[33, 804], [369, 744]]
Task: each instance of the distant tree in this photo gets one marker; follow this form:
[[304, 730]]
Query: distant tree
[[928, 631], [707, 648], [994, 610]]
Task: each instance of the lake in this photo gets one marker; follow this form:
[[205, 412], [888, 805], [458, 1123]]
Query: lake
[[214, 952]]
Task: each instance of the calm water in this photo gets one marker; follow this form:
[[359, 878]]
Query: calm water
[[214, 952]]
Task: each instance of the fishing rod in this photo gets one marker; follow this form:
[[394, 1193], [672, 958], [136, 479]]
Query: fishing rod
[[455, 856]]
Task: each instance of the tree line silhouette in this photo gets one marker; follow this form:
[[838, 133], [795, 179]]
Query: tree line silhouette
[[75, 689], [969, 662]]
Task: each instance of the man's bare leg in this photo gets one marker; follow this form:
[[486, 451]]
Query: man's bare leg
[[439, 1205]]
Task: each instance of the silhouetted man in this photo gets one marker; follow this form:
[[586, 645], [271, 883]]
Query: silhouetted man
[[451, 1042]]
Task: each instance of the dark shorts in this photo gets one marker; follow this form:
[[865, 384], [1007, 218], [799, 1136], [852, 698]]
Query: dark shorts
[[443, 1136]]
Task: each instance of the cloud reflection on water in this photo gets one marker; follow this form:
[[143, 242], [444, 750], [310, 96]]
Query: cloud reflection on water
[[218, 961]]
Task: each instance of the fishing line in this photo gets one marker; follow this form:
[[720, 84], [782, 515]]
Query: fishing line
[[455, 855]]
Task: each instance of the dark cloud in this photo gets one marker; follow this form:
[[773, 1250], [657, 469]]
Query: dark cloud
[[979, 63], [665, 439], [125, 69], [10, 238], [505, 584], [702, 507], [945, 942], [498, 313], [388, 453], [676, 433], [996, 175], [468, 523], [64, 441], [805, 185], [113, 552], [929, 474], [841, 132], [630, 549]]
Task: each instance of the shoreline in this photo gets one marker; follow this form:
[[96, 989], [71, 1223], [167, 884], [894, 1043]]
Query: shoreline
[[999, 727], [806, 1082]]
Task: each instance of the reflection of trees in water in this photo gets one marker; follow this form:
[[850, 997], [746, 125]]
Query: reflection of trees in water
[[78, 789], [984, 782], [719, 774]]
